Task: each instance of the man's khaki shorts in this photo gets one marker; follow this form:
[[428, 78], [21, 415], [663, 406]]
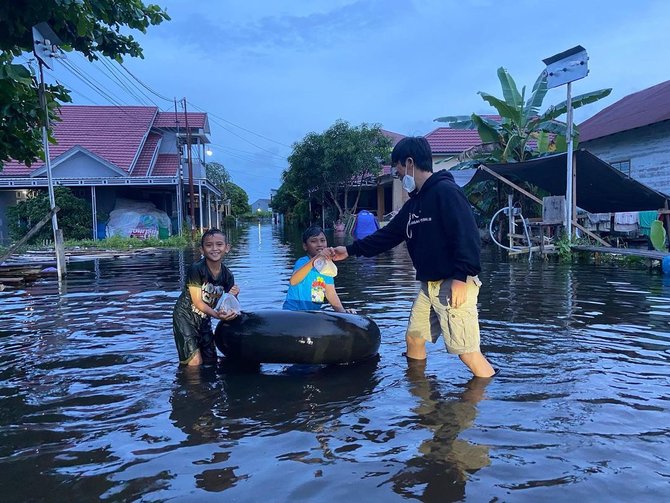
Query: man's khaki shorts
[[432, 314]]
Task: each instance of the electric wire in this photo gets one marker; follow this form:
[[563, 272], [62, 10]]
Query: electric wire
[[109, 69], [240, 127]]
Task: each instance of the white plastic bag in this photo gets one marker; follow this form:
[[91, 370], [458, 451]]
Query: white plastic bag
[[325, 266], [227, 303]]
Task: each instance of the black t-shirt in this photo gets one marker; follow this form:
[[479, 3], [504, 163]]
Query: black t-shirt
[[211, 287]]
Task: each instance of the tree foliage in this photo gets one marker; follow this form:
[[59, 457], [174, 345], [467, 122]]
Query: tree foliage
[[522, 132], [218, 175], [331, 164], [287, 201], [239, 199], [90, 27], [74, 217]]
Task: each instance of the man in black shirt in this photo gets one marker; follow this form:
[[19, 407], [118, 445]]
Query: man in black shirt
[[443, 241]]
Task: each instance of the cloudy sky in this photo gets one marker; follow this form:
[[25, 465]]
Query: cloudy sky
[[269, 72]]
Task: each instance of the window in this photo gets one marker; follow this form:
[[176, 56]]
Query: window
[[623, 166]]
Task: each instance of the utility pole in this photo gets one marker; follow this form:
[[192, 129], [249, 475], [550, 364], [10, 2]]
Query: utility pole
[[190, 172], [45, 49]]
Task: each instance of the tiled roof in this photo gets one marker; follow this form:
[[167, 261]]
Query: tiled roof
[[166, 165], [113, 133], [146, 156], [446, 140], [643, 108], [168, 120], [395, 137]]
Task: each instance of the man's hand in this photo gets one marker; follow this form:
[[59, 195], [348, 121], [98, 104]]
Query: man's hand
[[234, 290], [339, 253], [459, 293]]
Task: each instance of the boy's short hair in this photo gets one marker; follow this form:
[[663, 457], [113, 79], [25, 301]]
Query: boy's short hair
[[310, 232], [416, 147], [212, 232]]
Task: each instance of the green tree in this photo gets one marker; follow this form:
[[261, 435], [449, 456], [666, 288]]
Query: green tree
[[74, 217], [239, 200], [329, 165], [90, 27], [289, 203], [522, 132], [218, 175]]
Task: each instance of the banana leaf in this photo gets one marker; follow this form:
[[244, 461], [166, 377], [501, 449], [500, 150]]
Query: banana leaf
[[487, 132], [532, 107], [509, 89], [504, 109], [578, 101]]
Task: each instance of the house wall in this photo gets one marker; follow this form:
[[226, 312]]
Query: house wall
[[647, 148], [81, 165]]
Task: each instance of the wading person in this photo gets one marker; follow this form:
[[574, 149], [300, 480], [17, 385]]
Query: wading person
[[208, 279], [310, 288], [443, 242]]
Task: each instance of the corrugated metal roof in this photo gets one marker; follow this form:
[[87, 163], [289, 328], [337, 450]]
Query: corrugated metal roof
[[643, 108]]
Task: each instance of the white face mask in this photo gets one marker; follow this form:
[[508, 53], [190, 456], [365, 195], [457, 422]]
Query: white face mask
[[408, 182]]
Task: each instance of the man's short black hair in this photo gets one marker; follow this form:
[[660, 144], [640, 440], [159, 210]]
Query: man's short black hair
[[416, 147], [310, 232], [212, 232]]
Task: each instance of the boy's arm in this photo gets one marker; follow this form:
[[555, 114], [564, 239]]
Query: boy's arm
[[196, 298], [334, 300], [300, 274]]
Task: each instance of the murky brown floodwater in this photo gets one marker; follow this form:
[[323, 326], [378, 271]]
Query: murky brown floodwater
[[93, 406]]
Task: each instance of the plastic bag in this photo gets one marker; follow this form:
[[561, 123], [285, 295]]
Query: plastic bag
[[325, 266], [228, 302]]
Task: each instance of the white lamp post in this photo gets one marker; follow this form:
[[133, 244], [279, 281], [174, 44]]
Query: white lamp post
[[46, 49], [565, 68]]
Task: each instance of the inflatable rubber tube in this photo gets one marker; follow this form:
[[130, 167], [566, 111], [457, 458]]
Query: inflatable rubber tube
[[277, 336]]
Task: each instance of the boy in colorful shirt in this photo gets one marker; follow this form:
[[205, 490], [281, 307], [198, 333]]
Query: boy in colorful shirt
[[309, 288], [208, 279]]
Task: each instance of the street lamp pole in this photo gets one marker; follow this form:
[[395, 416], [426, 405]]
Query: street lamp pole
[[565, 68], [45, 49]]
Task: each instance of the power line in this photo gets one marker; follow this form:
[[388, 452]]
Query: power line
[[240, 127], [226, 148], [156, 93], [135, 92], [81, 76]]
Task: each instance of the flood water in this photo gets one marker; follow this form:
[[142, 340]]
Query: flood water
[[94, 407]]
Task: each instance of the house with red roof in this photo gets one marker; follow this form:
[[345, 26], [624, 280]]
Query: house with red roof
[[633, 135], [109, 153], [448, 143]]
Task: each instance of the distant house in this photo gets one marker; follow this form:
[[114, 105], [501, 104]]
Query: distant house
[[633, 135], [260, 205], [105, 153]]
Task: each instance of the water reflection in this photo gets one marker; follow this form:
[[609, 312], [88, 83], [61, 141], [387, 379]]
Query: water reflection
[[228, 404], [440, 471]]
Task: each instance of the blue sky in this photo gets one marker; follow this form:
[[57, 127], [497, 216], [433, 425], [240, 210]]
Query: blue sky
[[270, 72]]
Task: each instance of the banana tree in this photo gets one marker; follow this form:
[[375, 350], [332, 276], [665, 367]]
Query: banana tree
[[521, 132]]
